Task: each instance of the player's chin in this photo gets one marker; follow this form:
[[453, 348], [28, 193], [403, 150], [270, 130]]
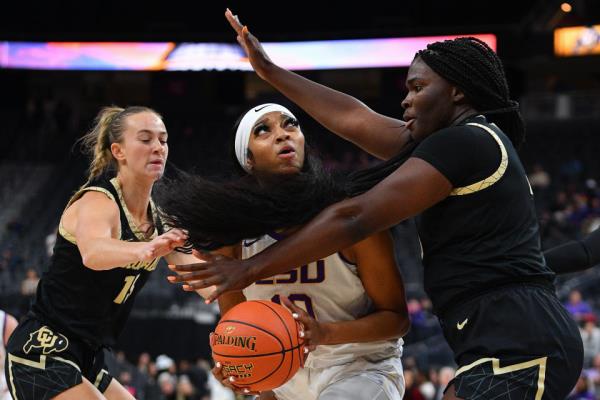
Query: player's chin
[[156, 174], [289, 169]]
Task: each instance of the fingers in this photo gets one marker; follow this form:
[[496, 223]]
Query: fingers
[[233, 20], [196, 284], [229, 381], [298, 313], [195, 267], [219, 290], [189, 277]]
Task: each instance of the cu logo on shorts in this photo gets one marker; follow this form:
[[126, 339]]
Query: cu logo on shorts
[[46, 340]]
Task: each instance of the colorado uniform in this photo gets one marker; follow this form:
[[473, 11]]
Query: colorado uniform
[[77, 313], [330, 290]]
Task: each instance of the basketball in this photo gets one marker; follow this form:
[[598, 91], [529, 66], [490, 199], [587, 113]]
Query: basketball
[[257, 342]]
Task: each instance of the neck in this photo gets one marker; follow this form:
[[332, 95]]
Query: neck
[[463, 114], [136, 194]]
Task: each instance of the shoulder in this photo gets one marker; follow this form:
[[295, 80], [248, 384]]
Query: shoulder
[[98, 200], [454, 135], [375, 244]]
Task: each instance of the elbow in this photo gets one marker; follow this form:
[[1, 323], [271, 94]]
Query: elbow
[[90, 261], [404, 327], [402, 324]]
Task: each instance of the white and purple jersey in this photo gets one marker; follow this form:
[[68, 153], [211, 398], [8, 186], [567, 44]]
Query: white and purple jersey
[[329, 290]]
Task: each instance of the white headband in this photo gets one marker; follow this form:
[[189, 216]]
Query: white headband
[[242, 135]]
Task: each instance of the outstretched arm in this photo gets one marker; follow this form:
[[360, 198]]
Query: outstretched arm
[[575, 255], [342, 114], [412, 188], [96, 228]]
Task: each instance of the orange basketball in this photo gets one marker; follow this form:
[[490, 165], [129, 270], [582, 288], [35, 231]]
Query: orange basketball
[[257, 342]]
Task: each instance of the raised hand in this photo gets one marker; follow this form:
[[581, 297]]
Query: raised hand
[[257, 56], [224, 273]]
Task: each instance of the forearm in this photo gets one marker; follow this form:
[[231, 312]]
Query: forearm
[[381, 325], [576, 255], [229, 300], [342, 114], [107, 253], [335, 228]]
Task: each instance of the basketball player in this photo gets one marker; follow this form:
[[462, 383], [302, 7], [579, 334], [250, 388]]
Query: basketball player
[[109, 240], [351, 302], [484, 269], [8, 323]]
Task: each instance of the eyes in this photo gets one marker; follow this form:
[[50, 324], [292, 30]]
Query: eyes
[[286, 123], [147, 140]]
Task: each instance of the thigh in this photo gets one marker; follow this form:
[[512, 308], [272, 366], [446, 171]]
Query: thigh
[[514, 343], [116, 391], [450, 394], [84, 391], [357, 387]]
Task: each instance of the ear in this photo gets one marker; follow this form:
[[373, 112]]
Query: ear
[[117, 151], [458, 96], [250, 160]]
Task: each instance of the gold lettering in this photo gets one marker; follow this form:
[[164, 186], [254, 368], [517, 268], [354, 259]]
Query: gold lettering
[[248, 342], [147, 265]]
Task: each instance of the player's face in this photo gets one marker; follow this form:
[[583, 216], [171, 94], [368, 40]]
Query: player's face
[[430, 102], [276, 145], [144, 148]]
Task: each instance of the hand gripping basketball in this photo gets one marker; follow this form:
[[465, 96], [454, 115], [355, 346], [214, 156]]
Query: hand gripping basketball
[[258, 344]]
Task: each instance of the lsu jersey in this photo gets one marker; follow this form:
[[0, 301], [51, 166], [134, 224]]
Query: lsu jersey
[[329, 290]]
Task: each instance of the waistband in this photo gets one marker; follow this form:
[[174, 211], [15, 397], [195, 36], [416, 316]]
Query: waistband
[[460, 300]]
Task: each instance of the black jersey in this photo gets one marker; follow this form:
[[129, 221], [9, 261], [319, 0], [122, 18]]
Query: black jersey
[[88, 304], [485, 234]]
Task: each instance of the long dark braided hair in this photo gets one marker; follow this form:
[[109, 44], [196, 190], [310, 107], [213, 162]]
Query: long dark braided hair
[[472, 66], [223, 213]]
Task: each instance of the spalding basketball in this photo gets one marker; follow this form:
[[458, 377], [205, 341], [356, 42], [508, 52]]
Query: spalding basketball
[[257, 343]]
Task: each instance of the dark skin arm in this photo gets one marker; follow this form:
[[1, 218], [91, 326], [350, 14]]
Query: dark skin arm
[[379, 274], [411, 189], [342, 114]]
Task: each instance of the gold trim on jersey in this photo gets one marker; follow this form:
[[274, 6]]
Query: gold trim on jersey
[[493, 178], [99, 377], [68, 236], [498, 370], [134, 228], [34, 364]]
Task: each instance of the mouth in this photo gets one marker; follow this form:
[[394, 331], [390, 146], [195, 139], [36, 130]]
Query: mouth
[[287, 152], [409, 119], [157, 162]]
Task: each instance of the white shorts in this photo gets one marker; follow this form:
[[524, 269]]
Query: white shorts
[[360, 379]]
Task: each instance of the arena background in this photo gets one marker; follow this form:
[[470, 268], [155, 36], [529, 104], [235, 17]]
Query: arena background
[[43, 112]]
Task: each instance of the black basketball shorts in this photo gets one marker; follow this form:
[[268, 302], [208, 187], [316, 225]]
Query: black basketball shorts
[[515, 342], [41, 362]]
